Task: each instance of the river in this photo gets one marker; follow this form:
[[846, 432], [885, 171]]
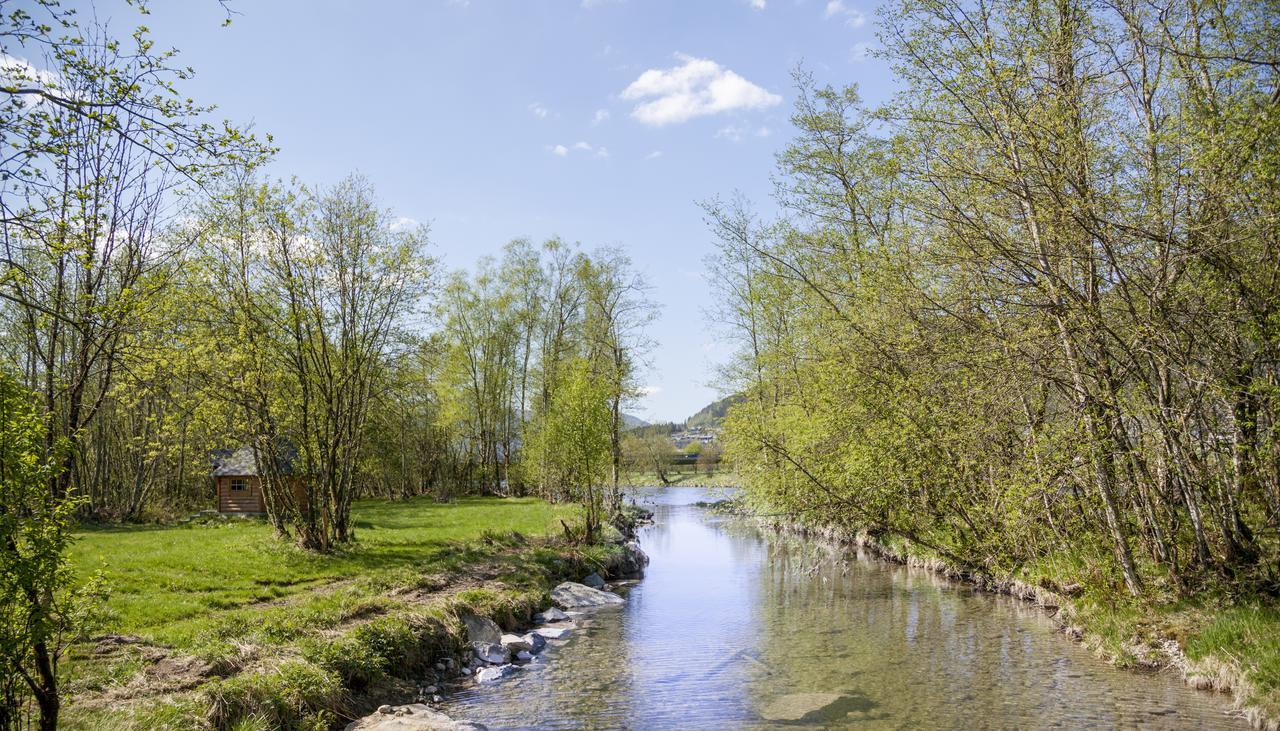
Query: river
[[733, 628]]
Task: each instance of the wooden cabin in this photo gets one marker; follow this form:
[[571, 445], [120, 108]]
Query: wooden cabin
[[239, 486]]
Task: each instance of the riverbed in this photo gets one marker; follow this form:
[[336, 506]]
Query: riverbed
[[734, 627]]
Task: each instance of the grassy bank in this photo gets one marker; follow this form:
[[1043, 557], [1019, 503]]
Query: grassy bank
[[220, 625], [1219, 643]]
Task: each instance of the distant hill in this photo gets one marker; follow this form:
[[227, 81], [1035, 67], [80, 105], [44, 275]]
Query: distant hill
[[713, 414], [632, 422]]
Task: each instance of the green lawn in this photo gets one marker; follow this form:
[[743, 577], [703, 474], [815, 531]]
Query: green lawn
[[292, 639], [162, 577]]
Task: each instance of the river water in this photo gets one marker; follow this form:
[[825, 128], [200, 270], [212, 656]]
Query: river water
[[733, 628]]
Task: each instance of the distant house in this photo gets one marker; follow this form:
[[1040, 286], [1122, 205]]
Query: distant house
[[239, 485]]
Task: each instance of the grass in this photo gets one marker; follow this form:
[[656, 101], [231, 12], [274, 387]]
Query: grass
[[161, 576], [241, 630]]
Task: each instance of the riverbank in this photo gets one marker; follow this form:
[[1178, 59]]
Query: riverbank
[[1226, 649], [221, 626]]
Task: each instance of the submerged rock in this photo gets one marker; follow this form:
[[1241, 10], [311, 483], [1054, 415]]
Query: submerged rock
[[551, 633], [799, 706], [576, 596], [481, 629], [551, 615], [488, 675], [413, 717]]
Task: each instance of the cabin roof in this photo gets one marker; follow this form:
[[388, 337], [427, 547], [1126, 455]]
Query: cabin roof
[[241, 463]]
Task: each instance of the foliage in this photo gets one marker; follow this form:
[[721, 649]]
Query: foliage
[[43, 606]]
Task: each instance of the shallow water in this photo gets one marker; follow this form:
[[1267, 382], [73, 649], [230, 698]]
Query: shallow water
[[732, 626]]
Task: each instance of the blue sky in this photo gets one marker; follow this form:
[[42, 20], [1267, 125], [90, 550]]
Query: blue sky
[[601, 121]]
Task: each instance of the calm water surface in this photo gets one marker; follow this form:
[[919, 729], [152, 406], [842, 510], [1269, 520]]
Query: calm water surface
[[732, 627]]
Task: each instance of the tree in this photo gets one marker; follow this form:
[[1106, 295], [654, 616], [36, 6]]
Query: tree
[[709, 459], [568, 447], [649, 452], [43, 607]]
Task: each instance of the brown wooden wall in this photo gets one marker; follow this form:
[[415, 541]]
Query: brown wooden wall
[[246, 501]]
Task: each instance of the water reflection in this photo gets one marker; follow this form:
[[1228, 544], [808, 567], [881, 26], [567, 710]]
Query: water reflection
[[734, 629]]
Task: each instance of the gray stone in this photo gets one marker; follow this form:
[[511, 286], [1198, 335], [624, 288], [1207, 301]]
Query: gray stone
[[551, 615], [413, 717], [551, 633], [488, 675], [576, 596], [481, 629], [798, 706], [515, 643], [490, 652], [594, 581], [384, 709], [524, 656], [536, 642]]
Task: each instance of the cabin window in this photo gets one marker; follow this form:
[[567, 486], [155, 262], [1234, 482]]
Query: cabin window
[[239, 484]]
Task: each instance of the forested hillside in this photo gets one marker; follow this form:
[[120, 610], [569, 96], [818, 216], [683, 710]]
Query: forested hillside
[[1025, 317]]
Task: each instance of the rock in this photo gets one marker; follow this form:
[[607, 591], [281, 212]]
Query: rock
[[536, 642], [610, 534], [571, 596], [799, 706], [594, 581], [481, 629], [524, 656], [551, 615], [414, 717], [384, 709], [430, 690], [515, 643], [488, 675], [551, 633], [490, 652], [440, 667]]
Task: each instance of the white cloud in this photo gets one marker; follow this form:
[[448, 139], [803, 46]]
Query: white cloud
[[860, 51], [852, 16], [538, 110], [697, 87], [738, 133], [589, 4], [585, 147], [757, 4], [404, 223], [16, 71], [601, 115], [650, 390], [653, 155]]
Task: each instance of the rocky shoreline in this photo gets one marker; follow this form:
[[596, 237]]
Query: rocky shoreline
[[494, 655], [1210, 675]]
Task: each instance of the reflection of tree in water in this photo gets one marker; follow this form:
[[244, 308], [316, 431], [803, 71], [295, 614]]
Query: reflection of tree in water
[[735, 629]]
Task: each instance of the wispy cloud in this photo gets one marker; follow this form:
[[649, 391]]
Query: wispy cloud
[[404, 223], [650, 390], [601, 115], [539, 110], [853, 17], [756, 4], [738, 133], [653, 155], [860, 51], [589, 4], [696, 88], [581, 146]]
